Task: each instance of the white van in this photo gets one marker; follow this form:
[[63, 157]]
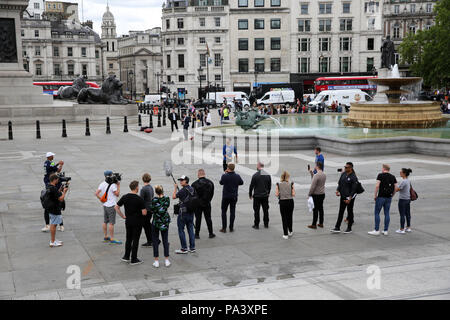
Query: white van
[[154, 99], [343, 97], [229, 96], [278, 97]]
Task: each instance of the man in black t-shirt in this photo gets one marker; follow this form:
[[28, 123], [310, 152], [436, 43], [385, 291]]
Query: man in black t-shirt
[[134, 220], [55, 198], [384, 191]]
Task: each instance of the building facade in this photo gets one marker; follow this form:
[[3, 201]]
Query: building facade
[[35, 9], [110, 47], [402, 17]]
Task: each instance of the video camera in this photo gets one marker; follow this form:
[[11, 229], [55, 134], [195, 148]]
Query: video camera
[[113, 178], [63, 179]]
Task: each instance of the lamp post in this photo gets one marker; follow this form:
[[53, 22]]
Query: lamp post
[[134, 77], [200, 70], [159, 86], [222, 60], [130, 74]]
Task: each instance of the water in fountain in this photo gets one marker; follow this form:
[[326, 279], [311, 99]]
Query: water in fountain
[[394, 72], [276, 121]]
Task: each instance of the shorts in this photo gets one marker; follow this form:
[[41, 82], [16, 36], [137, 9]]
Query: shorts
[[109, 214], [55, 219]]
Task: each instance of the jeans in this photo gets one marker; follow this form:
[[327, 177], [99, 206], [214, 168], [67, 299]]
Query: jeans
[[132, 241], [257, 204], [286, 211], [385, 204], [225, 203], [165, 241], [404, 207], [318, 208], [186, 220], [148, 227], [342, 207], [206, 210]]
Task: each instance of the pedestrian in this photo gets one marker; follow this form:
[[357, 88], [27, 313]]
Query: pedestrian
[[208, 118], [227, 152], [319, 158], [186, 121], [185, 215], [259, 191], [50, 167], [161, 220], [55, 198], [205, 192], [134, 219], [346, 190], [109, 192], [230, 182], [285, 192], [194, 119], [384, 191], [226, 113], [173, 117], [404, 201], [147, 194], [317, 192]]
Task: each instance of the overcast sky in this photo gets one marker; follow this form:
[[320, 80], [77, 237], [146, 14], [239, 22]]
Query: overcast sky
[[129, 14]]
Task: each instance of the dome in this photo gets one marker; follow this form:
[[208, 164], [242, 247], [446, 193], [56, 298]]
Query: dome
[[108, 15]]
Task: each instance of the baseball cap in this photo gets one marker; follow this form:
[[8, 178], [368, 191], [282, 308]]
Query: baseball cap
[[183, 177], [49, 154], [107, 173]]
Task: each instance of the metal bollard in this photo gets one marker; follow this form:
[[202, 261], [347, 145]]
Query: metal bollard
[[139, 120], [164, 117], [159, 119], [10, 132], [64, 130], [108, 126], [125, 124], [38, 130], [151, 121], [88, 131]]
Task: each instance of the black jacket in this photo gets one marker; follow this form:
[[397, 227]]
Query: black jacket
[[230, 182], [170, 116], [347, 185], [205, 190], [260, 185]]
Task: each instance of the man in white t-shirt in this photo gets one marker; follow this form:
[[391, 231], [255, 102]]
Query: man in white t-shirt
[[108, 207]]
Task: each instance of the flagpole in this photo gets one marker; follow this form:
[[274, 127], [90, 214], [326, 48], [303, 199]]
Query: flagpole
[[207, 65]]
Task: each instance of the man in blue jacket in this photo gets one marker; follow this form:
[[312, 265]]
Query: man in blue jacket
[[230, 182]]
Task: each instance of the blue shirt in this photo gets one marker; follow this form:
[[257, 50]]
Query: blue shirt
[[320, 158], [228, 151], [49, 168]]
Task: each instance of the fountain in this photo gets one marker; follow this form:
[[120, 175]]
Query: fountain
[[390, 112]]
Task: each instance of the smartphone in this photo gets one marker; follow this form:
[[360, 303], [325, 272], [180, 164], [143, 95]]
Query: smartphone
[[309, 167], [339, 170]]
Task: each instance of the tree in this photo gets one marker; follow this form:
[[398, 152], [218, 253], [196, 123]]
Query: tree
[[427, 52]]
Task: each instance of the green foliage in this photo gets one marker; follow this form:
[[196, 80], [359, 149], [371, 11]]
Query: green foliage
[[428, 52]]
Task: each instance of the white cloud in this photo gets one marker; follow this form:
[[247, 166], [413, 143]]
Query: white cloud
[[128, 14]]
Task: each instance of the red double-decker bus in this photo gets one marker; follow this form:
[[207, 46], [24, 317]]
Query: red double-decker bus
[[345, 83], [52, 87]]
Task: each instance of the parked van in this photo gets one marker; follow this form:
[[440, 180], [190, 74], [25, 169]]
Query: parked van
[[229, 96], [344, 97], [154, 99], [278, 97]]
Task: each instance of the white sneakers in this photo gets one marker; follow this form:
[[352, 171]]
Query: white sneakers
[[60, 228], [408, 230], [46, 228], [285, 237], [168, 263], [385, 233], [400, 231], [290, 234], [374, 233], [57, 243], [156, 263]]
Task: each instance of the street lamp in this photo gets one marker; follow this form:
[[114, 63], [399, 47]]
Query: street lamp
[[159, 86], [200, 70], [131, 73], [222, 60]]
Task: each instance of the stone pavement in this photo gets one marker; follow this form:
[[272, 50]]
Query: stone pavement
[[246, 264]]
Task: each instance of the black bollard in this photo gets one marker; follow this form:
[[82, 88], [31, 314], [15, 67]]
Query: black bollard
[[159, 119], [38, 130], [125, 124], [108, 126], [139, 120], [151, 120], [88, 131], [10, 133], [164, 117], [64, 130]]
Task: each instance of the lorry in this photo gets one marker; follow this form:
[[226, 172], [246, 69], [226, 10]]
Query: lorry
[[154, 99], [219, 97], [343, 97], [278, 97]]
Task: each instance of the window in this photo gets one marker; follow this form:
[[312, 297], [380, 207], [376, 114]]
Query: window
[[70, 69], [396, 9], [243, 24], [275, 3], [275, 43], [371, 24], [243, 44], [370, 64], [243, 65], [168, 61], [324, 44], [429, 8], [396, 31], [70, 52], [370, 44], [37, 5], [181, 61], [180, 23], [180, 41], [259, 43], [371, 7], [36, 33], [55, 51], [22, 33], [167, 23], [304, 25], [275, 24], [202, 22], [217, 77], [324, 64], [181, 78], [345, 64], [217, 60], [412, 29], [259, 24], [168, 41], [346, 7], [203, 60], [217, 21], [325, 25], [111, 65], [259, 65], [243, 3], [84, 69], [69, 35], [325, 8], [83, 52], [275, 64], [304, 65], [37, 51], [37, 16], [413, 8], [259, 3], [346, 25], [217, 39], [97, 70], [304, 45], [97, 54], [202, 40], [304, 8], [57, 69], [39, 69], [345, 44]]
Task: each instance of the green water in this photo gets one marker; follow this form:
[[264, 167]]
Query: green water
[[331, 125]]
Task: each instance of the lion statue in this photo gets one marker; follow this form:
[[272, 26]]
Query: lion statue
[[109, 93], [71, 92]]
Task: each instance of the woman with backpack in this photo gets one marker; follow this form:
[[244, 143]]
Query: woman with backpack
[[160, 224], [404, 202]]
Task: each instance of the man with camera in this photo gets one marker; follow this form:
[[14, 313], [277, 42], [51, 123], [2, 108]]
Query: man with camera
[[53, 199], [50, 167], [108, 192]]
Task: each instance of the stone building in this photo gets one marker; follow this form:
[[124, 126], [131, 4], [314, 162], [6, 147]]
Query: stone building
[[110, 47], [61, 10], [35, 9]]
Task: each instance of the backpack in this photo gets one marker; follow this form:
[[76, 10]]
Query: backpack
[[192, 202], [45, 199]]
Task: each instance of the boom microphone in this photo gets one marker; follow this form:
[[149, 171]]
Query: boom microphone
[[168, 169]]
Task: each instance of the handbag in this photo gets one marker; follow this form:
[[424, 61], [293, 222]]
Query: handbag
[[359, 188], [413, 194], [176, 209], [104, 197]]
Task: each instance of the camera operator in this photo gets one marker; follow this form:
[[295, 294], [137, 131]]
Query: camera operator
[[51, 167], [108, 192], [55, 197]]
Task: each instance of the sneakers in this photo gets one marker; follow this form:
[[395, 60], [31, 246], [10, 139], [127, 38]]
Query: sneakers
[[401, 231], [285, 237], [106, 239], [374, 233], [57, 243], [408, 230], [156, 264], [46, 228], [136, 262], [113, 241], [147, 245], [124, 259], [167, 263], [181, 251], [335, 230], [290, 234], [348, 231], [212, 235], [191, 250], [255, 227], [320, 225], [385, 233], [61, 228], [312, 227]]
